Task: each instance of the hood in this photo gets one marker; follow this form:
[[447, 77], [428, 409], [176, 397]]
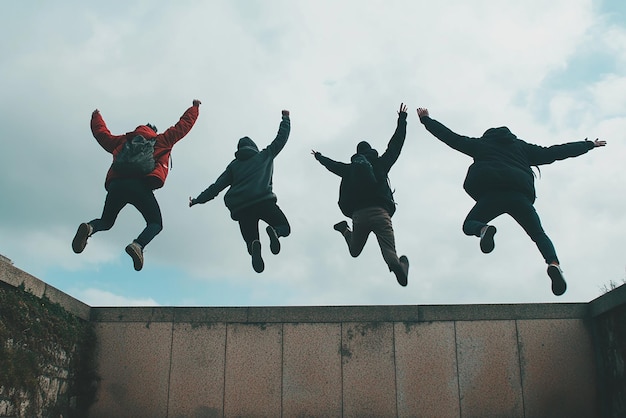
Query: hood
[[144, 131], [364, 148], [246, 148], [501, 134]]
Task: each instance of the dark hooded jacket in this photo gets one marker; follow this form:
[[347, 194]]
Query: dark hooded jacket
[[361, 193], [502, 162], [249, 175], [162, 148]]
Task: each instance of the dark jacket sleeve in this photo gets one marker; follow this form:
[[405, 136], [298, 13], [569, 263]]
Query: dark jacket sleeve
[[394, 147], [281, 137], [335, 167], [177, 132], [223, 181], [538, 155], [461, 143]]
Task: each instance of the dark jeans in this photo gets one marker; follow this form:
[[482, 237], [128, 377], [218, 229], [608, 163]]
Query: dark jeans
[[521, 209], [267, 211], [139, 194], [378, 221]]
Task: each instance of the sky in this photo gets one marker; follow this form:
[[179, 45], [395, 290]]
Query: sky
[[553, 72]]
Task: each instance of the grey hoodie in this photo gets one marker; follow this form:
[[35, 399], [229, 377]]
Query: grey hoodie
[[249, 175]]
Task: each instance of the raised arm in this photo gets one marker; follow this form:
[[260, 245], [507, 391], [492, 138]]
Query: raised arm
[[461, 143], [394, 147], [539, 155], [283, 134], [102, 134], [177, 132], [335, 167]]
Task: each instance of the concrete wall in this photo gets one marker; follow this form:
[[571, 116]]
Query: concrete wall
[[536, 360], [383, 361], [609, 326], [42, 361]]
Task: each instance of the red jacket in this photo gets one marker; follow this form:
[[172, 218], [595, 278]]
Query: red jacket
[[162, 149]]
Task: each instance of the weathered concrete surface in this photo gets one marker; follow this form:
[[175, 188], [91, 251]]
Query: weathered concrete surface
[[346, 361], [520, 360]]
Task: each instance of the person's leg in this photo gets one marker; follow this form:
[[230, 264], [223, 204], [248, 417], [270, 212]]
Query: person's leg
[[141, 196], [115, 200], [278, 225], [146, 203], [361, 228], [524, 213], [476, 221], [249, 226], [117, 197], [383, 229]]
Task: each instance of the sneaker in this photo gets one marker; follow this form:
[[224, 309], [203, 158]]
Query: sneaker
[[403, 275], [486, 239], [558, 281], [80, 239], [341, 226], [274, 243], [257, 261], [135, 251]]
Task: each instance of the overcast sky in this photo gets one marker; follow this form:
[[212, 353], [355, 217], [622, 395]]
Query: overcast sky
[[553, 72]]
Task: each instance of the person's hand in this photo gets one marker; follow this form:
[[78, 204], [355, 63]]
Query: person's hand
[[196, 102], [599, 143], [422, 111], [315, 154], [285, 113], [95, 112], [402, 109], [191, 202]]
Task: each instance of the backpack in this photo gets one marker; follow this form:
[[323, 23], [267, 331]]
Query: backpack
[[361, 172], [136, 157], [360, 181]]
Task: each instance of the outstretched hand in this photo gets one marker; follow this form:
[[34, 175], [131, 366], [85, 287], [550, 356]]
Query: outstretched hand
[[95, 112], [191, 202], [422, 111], [315, 154], [402, 109], [599, 143], [196, 102], [285, 113]]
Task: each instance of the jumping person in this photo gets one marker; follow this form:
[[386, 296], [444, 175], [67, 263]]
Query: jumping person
[[131, 183], [250, 197], [366, 198], [501, 180]]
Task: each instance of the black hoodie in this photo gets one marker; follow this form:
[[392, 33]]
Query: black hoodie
[[378, 194], [502, 162], [249, 175]]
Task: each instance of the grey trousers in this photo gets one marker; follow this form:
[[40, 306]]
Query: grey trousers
[[378, 221]]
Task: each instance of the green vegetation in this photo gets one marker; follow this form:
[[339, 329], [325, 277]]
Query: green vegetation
[[37, 339]]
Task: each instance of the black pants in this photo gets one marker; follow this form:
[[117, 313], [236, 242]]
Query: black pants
[[267, 211], [521, 209], [139, 194]]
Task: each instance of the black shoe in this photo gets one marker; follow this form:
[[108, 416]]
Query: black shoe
[[402, 274], [341, 226], [558, 281], [486, 239], [80, 239], [135, 251], [257, 261], [274, 243]]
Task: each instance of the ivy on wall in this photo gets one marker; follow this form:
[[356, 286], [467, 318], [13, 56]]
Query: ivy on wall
[[47, 363]]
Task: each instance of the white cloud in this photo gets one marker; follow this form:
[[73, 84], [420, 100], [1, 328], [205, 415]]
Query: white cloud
[[98, 297], [342, 68]]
